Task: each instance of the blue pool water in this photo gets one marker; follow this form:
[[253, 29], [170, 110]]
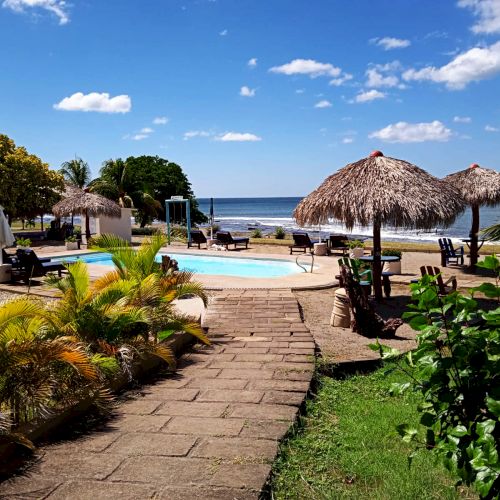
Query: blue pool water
[[227, 266]]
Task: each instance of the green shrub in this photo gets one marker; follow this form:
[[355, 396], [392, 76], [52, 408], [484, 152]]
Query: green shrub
[[23, 242], [392, 252], [455, 367], [70, 239], [279, 233], [144, 231], [355, 244], [215, 228], [256, 233]]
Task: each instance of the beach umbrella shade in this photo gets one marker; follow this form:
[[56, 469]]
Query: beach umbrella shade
[[87, 204], [479, 187], [379, 190], [6, 237]]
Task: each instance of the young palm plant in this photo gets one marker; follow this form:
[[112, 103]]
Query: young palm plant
[[151, 286]]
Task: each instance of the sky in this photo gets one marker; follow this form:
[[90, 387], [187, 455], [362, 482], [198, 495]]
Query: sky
[[253, 97]]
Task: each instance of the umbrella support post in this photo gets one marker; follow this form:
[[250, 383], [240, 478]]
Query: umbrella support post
[[377, 264], [473, 238]]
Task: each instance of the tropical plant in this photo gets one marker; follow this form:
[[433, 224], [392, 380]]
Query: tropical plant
[[256, 233], [76, 172], [492, 232], [152, 286], [392, 252], [355, 244], [279, 233], [456, 369], [23, 242], [70, 239]]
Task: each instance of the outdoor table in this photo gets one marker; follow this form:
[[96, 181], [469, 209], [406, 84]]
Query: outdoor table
[[468, 240], [385, 276]]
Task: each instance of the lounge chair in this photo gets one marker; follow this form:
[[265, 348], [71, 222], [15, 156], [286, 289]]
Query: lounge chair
[[225, 239], [444, 287], [448, 252], [197, 238], [30, 266], [301, 242], [337, 243]]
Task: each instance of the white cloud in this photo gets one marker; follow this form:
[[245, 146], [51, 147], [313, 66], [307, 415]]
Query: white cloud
[[462, 119], [139, 137], [487, 12], [160, 120], [389, 43], [196, 133], [337, 82], [369, 95], [238, 137], [223, 33], [247, 91], [299, 91], [99, 102], [323, 104], [377, 79], [474, 65], [146, 130], [56, 7], [307, 67], [413, 132], [347, 140], [489, 128], [252, 62]]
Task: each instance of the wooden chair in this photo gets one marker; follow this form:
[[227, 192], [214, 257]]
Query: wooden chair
[[337, 243], [444, 287], [197, 238], [449, 253], [224, 238], [302, 242]]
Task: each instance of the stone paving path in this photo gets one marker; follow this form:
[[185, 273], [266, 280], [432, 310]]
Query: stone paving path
[[211, 432]]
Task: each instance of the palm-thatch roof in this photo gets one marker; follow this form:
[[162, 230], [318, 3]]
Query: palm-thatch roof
[[77, 201], [478, 185], [383, 190]]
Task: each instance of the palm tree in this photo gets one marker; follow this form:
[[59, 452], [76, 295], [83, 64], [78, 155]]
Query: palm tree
[[76, 172], [492, 232]]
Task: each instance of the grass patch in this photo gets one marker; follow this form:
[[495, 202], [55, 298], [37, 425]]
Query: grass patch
[[347, 447]]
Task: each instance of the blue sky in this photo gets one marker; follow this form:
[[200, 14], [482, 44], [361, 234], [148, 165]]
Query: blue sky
[[253, 97]]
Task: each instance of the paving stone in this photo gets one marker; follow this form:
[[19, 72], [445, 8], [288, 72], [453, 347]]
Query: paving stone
[[102, 490], [164, 471], [217, 383], [139, 423], [207, 493], [200, 372], [265, 429], [259, 358], [241, 476], [167, 394], [94, 442], [29, 487], [284, 398], [263, 411], [281, 385], [205, 426], [292, 375], [143, 406], [229, 373], [236, 448], [248, 349], [231, 396], [137, 443], [193, 409], [241, 365]]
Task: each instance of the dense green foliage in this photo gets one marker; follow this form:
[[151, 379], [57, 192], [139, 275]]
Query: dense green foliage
[[392, 252], [76, 172], [28, 187], [456, 369], [279, 233], [355, 244], [256, 233], [346, 446]]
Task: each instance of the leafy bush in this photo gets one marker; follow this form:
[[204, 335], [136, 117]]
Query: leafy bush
[[355, 244], [279, 233], [144, 231], [456, 368], [70, 239], [215, 228], [256, 233], [392, 252], [23, 242]]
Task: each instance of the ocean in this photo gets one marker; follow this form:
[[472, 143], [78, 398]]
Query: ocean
[[242, 214]]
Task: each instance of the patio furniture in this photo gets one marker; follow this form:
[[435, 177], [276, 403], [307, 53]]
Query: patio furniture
[[337, 243], [449, 253], [301, 242], [30, 266], [363, 277], [386, 281], [225, 239], [444, 287], [197, 238]]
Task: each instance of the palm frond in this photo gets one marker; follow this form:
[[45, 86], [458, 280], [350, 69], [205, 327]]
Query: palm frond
[[491, 233]]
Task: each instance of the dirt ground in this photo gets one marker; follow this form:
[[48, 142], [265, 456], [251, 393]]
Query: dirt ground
[[340, 345]]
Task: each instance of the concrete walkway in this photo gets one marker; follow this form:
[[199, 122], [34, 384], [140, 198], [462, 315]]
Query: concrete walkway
[[211, 432]]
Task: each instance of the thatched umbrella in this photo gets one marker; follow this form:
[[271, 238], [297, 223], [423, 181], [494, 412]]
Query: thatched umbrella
[[380, 190], [87, 204], [478, 186]]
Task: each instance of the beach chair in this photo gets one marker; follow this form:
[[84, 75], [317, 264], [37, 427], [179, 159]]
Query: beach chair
[[337, 243], [30, 266], [444, 287], [363, 277], [225, 239], [301, 242], [449, 253], [197, 238]]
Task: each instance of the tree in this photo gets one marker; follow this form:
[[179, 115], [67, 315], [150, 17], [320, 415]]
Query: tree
[[76, 172], [162, 179], [29, 187]]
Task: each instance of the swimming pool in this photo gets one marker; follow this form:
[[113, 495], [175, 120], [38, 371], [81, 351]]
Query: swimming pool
[[211, 265]]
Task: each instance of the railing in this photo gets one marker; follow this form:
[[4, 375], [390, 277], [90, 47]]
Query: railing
[[303, 266]]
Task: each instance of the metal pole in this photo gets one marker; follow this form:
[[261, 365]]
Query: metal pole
[[188, 219], [167, 210]]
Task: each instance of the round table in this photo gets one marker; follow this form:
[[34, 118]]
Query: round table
[[385, 276]]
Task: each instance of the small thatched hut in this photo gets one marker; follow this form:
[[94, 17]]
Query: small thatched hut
[[479, 187], [377, 191], [88, 204]]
